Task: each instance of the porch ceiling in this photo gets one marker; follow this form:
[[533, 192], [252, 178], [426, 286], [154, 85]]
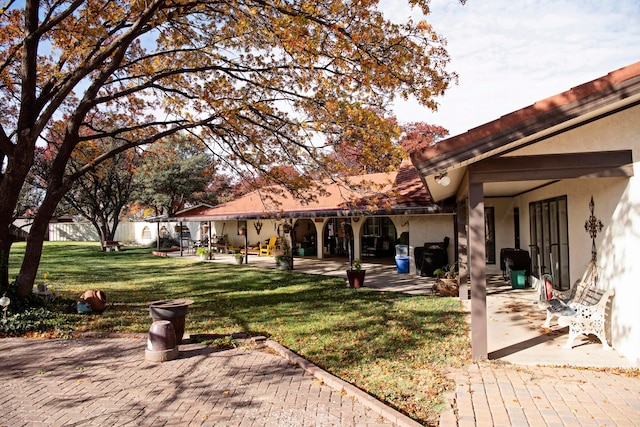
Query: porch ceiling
[[513, 175], [512, 189]]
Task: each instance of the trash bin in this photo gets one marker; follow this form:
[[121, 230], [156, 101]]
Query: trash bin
[[402, 264], [402, 250], [518, 279]]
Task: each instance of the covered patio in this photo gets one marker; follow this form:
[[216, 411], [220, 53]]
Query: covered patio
[[538, 171]]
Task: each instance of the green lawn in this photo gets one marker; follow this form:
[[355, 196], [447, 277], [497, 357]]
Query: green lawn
[[392, 345]]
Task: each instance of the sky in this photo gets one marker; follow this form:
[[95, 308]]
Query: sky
[[511, 53]]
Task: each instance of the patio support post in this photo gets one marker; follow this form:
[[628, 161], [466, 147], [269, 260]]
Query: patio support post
[[357, 239], [180, 239], [246, 245], [319, 237], [477, 264], [209, 245], [463, 258]]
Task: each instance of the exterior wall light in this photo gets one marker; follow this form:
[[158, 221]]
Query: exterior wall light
[[4, 302], [443, 179]]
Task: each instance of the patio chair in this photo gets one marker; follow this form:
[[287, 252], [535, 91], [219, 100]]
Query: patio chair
[[265, 249]]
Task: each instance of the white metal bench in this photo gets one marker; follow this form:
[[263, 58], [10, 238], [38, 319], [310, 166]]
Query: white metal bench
[[588, 319], [582, 308], [561, 304]]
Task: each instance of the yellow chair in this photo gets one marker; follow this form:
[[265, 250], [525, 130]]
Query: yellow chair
[[265, 249]]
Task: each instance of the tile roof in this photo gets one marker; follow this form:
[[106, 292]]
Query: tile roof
[[395, 191], [616, 85]]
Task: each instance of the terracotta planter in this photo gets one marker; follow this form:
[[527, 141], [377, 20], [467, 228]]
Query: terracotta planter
[[97, 300], [356, 278], [447, 287], [173, 310]]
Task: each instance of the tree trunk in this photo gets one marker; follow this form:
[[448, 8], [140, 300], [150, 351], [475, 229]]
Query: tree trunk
[[11, 182], [5, 249], [29, 269]]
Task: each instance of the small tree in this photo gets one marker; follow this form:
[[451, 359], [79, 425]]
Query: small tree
[[101, 196], [417, 135], [173, 176]]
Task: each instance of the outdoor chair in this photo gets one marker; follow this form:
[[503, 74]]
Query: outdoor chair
[[265, 249]]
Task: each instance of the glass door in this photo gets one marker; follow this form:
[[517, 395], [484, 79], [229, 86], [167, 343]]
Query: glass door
[[550, 239]]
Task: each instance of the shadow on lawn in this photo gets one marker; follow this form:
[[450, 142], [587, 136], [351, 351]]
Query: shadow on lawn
[[381, 341], [294, 307]]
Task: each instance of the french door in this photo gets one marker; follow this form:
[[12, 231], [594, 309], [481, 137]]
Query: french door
[[550, 240]]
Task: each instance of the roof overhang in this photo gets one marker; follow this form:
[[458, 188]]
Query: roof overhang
[[443, 208], [562, 113]]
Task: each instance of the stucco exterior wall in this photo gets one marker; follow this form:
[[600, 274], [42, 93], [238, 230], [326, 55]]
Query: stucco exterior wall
[[615, 132], [504, 233], [617, 205]]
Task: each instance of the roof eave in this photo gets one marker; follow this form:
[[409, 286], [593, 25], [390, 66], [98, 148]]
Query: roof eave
[[433, 209], [540, 120]]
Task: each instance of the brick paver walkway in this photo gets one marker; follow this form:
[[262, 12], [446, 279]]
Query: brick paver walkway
[[107, 382], [497, 394]]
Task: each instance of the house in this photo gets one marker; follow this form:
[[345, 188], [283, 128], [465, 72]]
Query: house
[[527, 180], [380, 210], [533, 179]]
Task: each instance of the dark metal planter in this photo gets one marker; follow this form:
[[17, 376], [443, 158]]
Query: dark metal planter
[[173, 310]]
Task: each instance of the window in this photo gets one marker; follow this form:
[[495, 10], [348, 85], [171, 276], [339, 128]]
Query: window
[[146, 232], [378, 237], [490, 235]]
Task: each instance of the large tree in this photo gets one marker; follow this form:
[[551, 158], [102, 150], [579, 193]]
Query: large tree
[[256, 80]]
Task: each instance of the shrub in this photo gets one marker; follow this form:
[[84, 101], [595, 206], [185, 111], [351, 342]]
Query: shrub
[[168, 242], [33, 314]]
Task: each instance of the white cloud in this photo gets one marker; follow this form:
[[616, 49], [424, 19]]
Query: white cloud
[[510, 54]]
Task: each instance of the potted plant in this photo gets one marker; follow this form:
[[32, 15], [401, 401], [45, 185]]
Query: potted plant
[[239, 257], [203, 253], [356, 274], [447, 283]]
